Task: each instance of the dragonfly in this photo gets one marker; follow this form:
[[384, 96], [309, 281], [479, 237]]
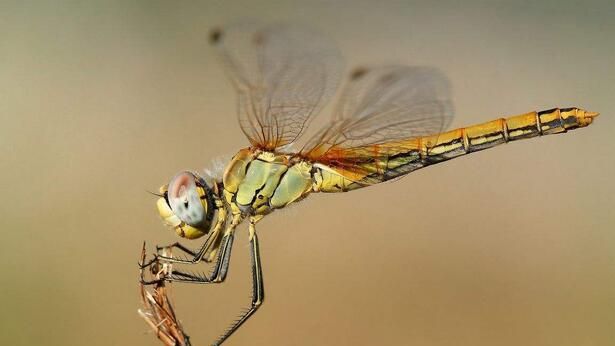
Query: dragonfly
[[389, 121]]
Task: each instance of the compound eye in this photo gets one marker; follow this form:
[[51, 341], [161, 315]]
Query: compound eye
[[185, 199]]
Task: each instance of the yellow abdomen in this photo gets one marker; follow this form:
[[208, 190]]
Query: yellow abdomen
[[397, 158]]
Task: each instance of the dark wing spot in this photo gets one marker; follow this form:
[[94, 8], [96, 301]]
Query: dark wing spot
[[259, 39], [215, 35], [358, 73]]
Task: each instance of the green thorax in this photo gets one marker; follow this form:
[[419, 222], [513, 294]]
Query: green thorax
[[257, 182]]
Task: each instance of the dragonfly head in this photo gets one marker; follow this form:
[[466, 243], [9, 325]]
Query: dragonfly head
[[187, 205]]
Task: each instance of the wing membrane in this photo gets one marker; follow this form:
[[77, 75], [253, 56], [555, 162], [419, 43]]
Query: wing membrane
[[283, 75], [382, 113]]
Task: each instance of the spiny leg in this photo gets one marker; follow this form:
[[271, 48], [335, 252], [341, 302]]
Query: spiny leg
[[220, 269], [200, 254], [176, 245], [212, 242], [218, 273], [180, 246], [258, 291], [197, 255]]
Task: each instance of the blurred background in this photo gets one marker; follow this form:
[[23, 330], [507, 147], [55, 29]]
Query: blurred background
[[101, 101]]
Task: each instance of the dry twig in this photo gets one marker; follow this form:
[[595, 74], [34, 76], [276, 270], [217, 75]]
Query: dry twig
[[158, 311]]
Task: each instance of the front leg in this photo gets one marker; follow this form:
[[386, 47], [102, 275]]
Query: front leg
[[211, 243], [218, 273], [177, 245]]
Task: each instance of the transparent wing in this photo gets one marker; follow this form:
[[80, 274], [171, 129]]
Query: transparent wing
[[381, 113], [283, 75]]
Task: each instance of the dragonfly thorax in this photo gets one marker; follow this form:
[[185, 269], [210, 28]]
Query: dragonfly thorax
[[258, 182]]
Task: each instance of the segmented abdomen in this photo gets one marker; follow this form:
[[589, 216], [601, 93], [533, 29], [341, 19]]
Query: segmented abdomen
[[395, 159]]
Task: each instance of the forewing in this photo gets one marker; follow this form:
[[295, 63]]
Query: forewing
[[283, 75], [381, 113]]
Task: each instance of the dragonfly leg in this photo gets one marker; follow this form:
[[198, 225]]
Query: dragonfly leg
[[217, 275], [176, 245], [196, 255], [211, 243], [179, 246], [208, 258], [258, 292], [155, 268], [219, 271]]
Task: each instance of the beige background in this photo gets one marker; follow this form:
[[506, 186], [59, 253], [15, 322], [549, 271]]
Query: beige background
[[101, 101]]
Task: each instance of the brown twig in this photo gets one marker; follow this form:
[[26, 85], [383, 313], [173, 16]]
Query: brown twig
[[158, 311]]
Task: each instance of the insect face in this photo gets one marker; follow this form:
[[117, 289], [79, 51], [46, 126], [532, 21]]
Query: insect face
[[187, 205]]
